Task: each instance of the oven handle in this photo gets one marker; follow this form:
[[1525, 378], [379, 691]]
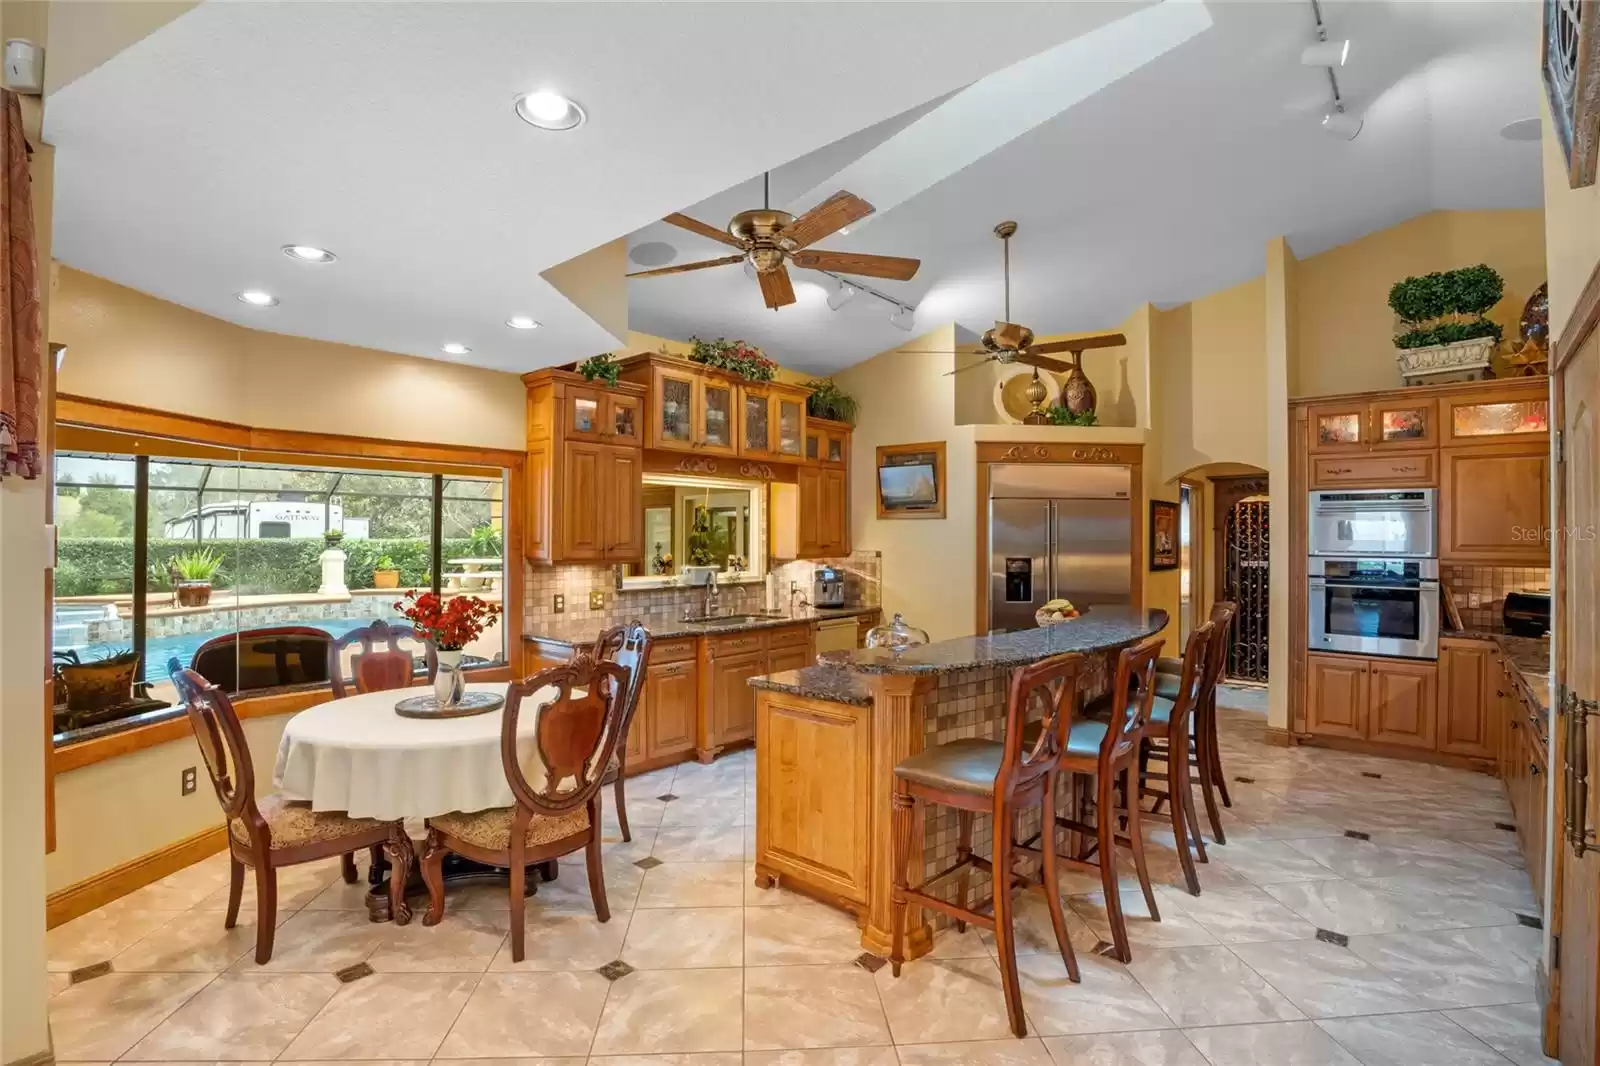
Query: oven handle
[[1425, 586]]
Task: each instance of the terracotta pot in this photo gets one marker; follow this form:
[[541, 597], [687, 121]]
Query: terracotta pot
[[96, 686], [194, 593], [386, 579]]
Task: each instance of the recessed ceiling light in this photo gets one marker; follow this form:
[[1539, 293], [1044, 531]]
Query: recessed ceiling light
[[257, 298], [521, 322], [454, 348], [550, 111], [1524, 129], [307, 253]]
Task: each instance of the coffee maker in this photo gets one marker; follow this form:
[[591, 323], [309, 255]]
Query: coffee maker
[[827, 587]]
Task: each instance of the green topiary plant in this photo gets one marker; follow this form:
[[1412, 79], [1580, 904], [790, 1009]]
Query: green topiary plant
[[829, 401], [1061, 415], [1447, 307], [736, 357]]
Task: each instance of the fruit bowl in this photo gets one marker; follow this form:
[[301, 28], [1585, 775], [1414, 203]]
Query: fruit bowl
[[1055, 612]]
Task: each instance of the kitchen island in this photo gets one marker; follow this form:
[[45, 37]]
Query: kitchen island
[[829, 737]]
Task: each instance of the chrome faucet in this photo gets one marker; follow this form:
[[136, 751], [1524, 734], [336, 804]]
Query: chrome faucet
[[710, 595]]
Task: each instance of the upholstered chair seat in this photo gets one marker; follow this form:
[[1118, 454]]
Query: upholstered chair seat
[[293, 824], [968, 765], [491, 829]]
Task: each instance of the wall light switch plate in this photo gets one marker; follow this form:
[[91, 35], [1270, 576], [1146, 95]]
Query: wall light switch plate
[[1474, 600], [190, 781], [597, 600], [560, 604]]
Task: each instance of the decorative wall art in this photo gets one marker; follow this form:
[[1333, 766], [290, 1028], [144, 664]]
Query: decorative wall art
[[1163, 535]]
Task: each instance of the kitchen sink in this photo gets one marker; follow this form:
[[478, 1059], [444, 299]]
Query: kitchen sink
[[733, 619]]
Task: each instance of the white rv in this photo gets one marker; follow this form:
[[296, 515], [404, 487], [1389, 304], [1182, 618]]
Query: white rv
[[263, 520]]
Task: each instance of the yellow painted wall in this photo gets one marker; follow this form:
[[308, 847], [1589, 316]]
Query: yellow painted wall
[[928, 564], [1345, 327], [120, 809], [126, 346], [597, 283], [1571, 228]]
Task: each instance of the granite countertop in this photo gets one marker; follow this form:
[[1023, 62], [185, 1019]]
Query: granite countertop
[[1099, 629], [835, 684], [583, 628]]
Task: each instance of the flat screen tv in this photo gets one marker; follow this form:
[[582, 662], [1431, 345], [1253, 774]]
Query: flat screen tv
[[911, 487]]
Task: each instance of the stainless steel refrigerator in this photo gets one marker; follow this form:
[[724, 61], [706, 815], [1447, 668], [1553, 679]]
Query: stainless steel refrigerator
[[1057, 531]]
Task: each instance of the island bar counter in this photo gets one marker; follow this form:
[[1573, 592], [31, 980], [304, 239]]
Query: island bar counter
[[829, 737]]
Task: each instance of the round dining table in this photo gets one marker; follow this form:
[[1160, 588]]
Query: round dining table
[[357, 755]]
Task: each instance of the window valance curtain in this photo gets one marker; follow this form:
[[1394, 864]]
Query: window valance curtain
[[19, 305]]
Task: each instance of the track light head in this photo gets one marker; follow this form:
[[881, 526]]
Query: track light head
[[1342, 123], [903, 318], [1326, 53]]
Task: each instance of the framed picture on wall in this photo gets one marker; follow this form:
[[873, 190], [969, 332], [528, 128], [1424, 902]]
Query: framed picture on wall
[[911, 480], [1163, 535], [1571, 67]]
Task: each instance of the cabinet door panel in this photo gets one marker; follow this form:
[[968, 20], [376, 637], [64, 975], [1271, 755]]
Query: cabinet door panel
[[1496, 504], [585, 414], [733, 710], [1520, 414], [810, 483], [1338, 427], [1402, 423], [673, 418], [833, 532], [717, 417], [755, 421], [623, 424], [1336, 696], [796, 658], [1401, 704], [791, 422], [813, 794], [673, 697], [583, 477], [1466, 689], [1382, 470], [622, 504]]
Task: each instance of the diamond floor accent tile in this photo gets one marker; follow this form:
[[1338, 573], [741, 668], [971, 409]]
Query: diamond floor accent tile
[[666, 798], [1245, 780], [1506, 826], [354, 973], [649, 862], [1369, 773], [614, 970], [1328, 936], [1356, 834], [89, 973], [1532, 921], [870, 962]]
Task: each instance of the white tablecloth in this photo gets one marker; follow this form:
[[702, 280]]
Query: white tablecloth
[[357, 755]]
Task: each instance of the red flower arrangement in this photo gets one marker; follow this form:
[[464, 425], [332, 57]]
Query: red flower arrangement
[[451, 626]]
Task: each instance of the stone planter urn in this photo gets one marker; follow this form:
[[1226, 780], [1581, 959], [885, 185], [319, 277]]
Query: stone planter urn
[[333, 573], [1440, 363]]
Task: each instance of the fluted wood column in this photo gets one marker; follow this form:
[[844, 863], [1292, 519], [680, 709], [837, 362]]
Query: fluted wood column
[[899, 708]]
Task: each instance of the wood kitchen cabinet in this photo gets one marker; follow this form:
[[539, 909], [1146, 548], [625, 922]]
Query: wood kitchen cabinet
[[827, 442], [1510, 411], [1495, 504], [1402, 707], [824, 511], [669, 701], [585, 470], [1336, 696], [772, 421], [692, 407], [1375, 470], [733, 701], [1389, 423], [728, 663], [1469, 687]]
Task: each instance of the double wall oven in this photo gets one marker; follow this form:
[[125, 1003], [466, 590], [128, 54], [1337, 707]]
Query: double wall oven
[[1374, 573]]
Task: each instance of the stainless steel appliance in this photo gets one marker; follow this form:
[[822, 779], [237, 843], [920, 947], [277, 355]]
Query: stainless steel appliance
[[1375, 606], [1374, 523], [1057, 531], [827, 587], [1526, 613]]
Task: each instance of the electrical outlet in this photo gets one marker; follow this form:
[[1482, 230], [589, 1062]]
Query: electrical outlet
[[559, 605], [597, 600], [1474, 600], [191, 781]]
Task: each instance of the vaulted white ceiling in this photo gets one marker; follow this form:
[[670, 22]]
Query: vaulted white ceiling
[[385, 133], [1163, 186]]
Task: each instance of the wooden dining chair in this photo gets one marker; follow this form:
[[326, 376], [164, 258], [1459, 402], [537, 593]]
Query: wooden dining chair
[[1100, 762], [629, 647], [381, 664], [573, 740], [1168, 737], [1205, 756], [271, 832], [999, 778]]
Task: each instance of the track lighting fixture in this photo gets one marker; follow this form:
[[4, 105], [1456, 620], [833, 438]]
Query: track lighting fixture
[[1326, 53], [841, 295], [905, 318], [1342, 123]]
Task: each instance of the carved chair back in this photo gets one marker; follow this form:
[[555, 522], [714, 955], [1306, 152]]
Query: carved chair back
[[222, 745], [264, 658], [1052, 686], [629, 647], [1134, 693], [574, 736], [381, 664], [1197, 660], [1222, 613]]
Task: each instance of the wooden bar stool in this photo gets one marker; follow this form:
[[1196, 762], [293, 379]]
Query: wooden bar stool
[[1167, 738], [1000, 778], [1204, 757], [1105, 754]]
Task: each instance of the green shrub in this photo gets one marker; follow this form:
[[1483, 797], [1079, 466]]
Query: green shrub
[[1443, 308], [1448, 333], [103, 566]]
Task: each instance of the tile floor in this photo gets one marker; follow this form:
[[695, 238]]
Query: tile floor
[[1308, 947]]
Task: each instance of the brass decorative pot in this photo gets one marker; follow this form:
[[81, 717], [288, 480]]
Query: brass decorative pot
[[1078, 391]]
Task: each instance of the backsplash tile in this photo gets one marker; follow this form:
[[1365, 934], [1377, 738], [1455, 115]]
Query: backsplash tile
[[1490, 584]]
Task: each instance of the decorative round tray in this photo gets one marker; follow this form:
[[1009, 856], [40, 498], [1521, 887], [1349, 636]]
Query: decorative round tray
[[471, 703]]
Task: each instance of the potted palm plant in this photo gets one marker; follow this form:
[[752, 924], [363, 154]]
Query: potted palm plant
[[386, 575], [195, 570]]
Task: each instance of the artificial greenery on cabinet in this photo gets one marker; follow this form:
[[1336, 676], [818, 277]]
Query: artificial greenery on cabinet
[[736, 357], [829, 401], [1447, 307]]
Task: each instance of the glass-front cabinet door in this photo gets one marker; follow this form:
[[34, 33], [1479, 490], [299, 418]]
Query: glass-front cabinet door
[[814, 445], [1338, 427], [584, 417], [1402, 423], [675, 419], [755, 421], [716, 416], [1474, 421], [791, 425], [623, 424]]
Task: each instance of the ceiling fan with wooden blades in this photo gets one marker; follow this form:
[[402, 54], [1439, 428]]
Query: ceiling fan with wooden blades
[[772, 240], [1009, 343]]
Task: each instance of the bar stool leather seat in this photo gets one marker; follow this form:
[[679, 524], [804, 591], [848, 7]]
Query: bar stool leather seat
[[968, 765]]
